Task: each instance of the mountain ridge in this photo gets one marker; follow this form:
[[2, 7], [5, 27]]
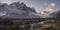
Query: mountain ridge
[[18, 10]]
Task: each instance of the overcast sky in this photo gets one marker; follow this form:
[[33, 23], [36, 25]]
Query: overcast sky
[[39, 5]]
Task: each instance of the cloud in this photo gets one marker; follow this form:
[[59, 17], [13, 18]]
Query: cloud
[[42, 13], [5, 1], [50, 7], [52, 4], [8, 1]]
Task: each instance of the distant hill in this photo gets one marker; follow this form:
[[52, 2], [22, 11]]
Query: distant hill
[[56, 14]]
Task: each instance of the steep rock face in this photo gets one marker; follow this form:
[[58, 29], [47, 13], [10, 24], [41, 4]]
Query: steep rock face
[[22, 6], [2, 9], [17, 9]]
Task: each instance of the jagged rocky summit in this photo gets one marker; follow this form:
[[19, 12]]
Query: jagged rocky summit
[[17, 9]]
